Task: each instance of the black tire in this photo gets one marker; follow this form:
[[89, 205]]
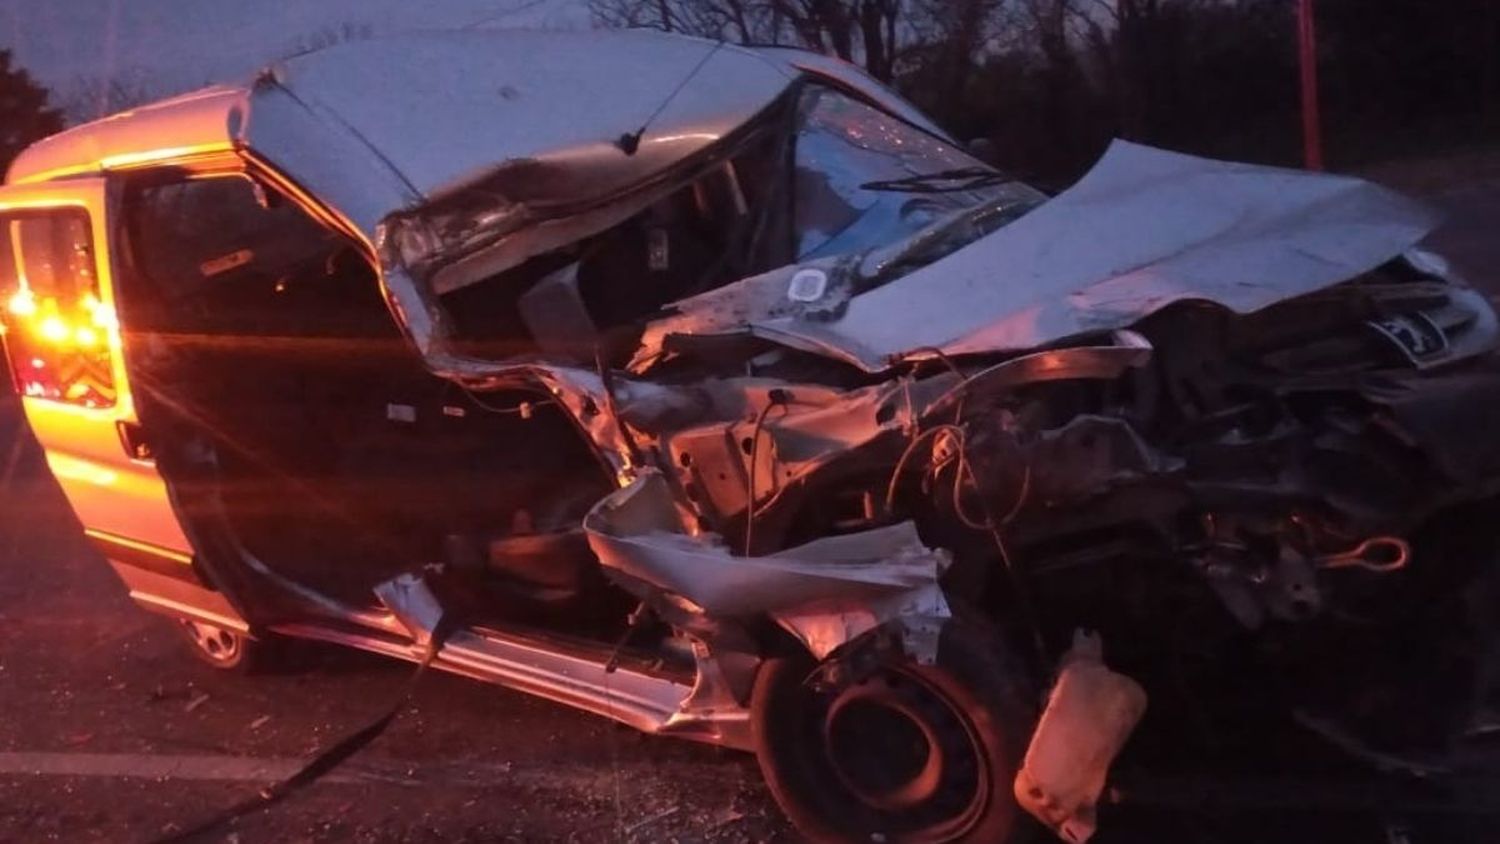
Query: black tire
[[228, 650], [844, 767]]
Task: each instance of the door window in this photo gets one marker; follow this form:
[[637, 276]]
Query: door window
[[222, 256], [57, 331]]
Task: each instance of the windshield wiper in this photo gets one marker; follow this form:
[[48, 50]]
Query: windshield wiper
[[942, 181], [880, 264]]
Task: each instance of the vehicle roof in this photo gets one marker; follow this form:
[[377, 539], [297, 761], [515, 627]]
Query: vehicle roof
[[193, 121], [437, 104], [443, 108]]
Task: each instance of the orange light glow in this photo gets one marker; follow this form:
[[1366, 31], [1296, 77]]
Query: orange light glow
[[100, 314], [22, 303], [67, 340], [53, 329]]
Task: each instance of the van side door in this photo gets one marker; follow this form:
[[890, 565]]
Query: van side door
[[64, 353]]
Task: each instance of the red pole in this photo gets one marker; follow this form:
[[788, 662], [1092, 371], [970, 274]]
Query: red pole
[[1307, 49]]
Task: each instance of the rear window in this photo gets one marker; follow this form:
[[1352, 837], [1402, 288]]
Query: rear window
[[57, 332]]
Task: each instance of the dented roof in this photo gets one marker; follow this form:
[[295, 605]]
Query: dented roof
[[436, 111], [378, 125], [449, 107]]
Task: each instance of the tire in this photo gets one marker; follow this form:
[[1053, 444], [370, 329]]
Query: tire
[[911, 753], [227, 650]]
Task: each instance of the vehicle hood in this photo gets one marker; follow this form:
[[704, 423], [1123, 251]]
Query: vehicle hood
[[1143, 229]]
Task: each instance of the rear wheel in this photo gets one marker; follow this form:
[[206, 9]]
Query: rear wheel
[[225, 649], [907, 753]]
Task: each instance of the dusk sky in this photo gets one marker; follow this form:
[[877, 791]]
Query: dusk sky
[[175, 45]]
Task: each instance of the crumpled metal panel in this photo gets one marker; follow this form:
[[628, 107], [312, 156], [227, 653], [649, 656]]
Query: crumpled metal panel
[[323, 155], [918, 613], [446, 109], [486, 133], [826, 592], [1143, 229], [799, 428]]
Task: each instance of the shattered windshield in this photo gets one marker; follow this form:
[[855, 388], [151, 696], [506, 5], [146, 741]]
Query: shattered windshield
[[832, 177], [864, 178]]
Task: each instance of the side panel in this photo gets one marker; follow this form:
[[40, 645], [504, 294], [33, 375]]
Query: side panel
[[65, 353], [112, 493]]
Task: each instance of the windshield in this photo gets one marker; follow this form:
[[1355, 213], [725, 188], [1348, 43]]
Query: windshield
[[832, 176], [865, 179]]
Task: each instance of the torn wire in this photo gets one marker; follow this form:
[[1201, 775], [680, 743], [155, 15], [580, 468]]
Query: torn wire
[[911, 448], [773, 400], [331, 757], [523, 409], [989, 524]]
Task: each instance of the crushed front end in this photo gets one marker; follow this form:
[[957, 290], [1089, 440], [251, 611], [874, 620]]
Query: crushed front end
[[1280, 523], [1222, 419]]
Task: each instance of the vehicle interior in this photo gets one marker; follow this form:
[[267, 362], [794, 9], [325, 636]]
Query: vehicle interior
[[591, 297], [286, 407]]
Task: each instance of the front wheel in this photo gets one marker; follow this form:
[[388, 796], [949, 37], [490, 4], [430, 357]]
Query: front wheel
[[907, 753]]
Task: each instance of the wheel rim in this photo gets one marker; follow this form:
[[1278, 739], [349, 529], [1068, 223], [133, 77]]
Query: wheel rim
[[906, 752], [215, 643]]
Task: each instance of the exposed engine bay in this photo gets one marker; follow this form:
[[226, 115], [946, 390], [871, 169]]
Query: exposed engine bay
[[1278, 523]]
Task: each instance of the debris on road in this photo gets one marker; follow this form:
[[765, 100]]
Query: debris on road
[[650, 819]]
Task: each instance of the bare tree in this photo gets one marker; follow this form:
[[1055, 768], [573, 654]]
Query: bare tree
[[92, 97], [950, 40], [328, 36], [743, 21], [1140, 51], [869, 32], [1488, 29]]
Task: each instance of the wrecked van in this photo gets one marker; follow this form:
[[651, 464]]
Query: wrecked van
[[716, 391]]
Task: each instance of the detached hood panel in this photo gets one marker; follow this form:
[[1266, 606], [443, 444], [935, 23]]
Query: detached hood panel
[[1143, 229]]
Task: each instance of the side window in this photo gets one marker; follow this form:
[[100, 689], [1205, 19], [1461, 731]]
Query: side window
[[56, 330], [220, 232], [222, 256]]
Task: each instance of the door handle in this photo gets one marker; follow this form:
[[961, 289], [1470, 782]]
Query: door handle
[[133, 440]]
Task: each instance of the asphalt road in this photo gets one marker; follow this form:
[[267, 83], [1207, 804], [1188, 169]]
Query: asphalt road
[[110, 732]]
